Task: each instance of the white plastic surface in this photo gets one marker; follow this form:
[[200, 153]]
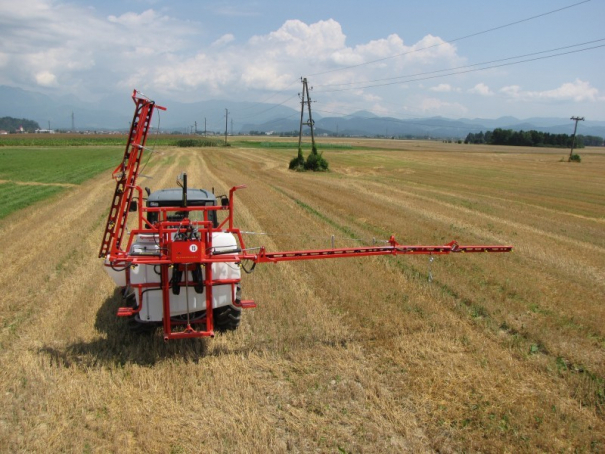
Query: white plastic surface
[[222, 295], [119, 277]]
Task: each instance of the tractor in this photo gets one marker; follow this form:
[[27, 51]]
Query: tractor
[[180, 267]]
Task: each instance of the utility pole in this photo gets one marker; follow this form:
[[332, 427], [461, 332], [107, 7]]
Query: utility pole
[[205, 133], [226, 118], [73, 122], [573, 138], [310, 122], [196, 127]]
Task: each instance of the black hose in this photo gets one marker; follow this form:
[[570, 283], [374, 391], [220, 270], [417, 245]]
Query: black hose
[[250, 270], [119, 269]]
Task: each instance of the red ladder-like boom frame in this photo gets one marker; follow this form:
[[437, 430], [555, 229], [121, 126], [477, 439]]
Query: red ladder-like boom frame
[[126, 175], [184, 252]]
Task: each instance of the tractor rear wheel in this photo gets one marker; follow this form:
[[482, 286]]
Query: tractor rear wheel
[[227, 318]]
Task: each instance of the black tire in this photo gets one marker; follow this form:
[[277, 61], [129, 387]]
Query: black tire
[[226, 318]]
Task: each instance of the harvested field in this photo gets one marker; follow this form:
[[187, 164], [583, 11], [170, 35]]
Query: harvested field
[[499, 353]]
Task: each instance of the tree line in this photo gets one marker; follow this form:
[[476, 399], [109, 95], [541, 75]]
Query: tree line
[[11, 124], [532, 138]]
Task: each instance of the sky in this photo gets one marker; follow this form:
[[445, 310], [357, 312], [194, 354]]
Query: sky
[[456, 59]]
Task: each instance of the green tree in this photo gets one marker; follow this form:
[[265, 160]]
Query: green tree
[[298, 163], [316, 162], [11, 124]]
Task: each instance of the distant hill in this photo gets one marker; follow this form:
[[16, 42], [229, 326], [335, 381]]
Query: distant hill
[[10, 124], [115, 113], [45, 110], [362, 114], [436, 127]]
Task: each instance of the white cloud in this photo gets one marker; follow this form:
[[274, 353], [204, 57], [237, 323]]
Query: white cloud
[[481, 89], [514, 91], [223, 40], [46, 79], [369, 97], [295, 38], [577, 91], [277, 60], [52, 44], [75, 50], [427, 51], [432, 48], [61, 47], [232, 11], [444, 88], [149, 17], [435, 106]]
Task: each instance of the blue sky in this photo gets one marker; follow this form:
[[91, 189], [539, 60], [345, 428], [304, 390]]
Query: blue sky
[[398, 58]]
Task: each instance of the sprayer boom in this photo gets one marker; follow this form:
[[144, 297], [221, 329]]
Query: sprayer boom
[[180, 266]]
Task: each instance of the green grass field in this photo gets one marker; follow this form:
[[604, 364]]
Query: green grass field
[[80, 140], [16, 197], [31, 174]]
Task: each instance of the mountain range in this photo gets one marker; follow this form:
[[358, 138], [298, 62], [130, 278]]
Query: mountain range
[[115, 113]]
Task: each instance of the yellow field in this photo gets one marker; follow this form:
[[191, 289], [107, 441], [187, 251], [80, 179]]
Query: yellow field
[[499, 353]]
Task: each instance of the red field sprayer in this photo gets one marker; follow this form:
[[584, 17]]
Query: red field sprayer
[[181, 267]]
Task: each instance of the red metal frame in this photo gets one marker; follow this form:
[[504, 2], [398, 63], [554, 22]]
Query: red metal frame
[[126, 174], [192, 252]]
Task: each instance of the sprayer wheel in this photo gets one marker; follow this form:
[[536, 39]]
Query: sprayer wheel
[[227, 318]]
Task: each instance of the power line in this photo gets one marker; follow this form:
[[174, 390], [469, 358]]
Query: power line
[[273, 95], [254, 114], [268, 109], [465, 72], [453, 40], [465, 66]]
